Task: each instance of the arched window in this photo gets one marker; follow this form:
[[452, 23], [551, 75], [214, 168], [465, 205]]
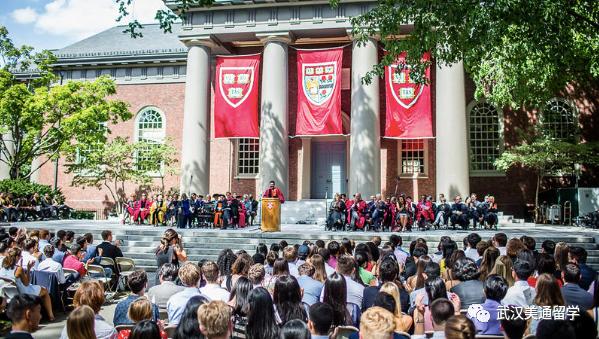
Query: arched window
[[558, 120], [150, 127], [485, 137]]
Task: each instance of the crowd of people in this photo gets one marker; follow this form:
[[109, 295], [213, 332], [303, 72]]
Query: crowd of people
[[450, 289], [31, 208], [217, 210], [401, 213]]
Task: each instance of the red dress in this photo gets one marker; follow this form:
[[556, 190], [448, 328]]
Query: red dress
[[241, 215]]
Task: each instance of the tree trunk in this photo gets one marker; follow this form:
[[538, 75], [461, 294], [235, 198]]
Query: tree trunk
[[539, 178]]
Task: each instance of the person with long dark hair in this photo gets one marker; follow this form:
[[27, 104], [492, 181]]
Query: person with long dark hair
[[146, 329], [287, 298], [262, 322], [279, 269], [238, 300], [170, 250], [335, 295], [188, 327]]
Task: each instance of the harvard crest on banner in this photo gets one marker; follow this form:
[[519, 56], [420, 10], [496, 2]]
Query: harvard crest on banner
[[409, 114], [236, 96], [319, 92]]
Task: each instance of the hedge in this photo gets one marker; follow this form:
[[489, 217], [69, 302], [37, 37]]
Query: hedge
[[22, 188]]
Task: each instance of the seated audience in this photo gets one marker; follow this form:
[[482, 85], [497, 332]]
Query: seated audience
[[237, 302], [377, 323], [459, 327], [189, 275], [213, 290], [72, 260], [403, 322], [256, 274], [80, 323], [295, 329], [139, 310], [514, 323], [311, 288], [555, 329], [262, 322], [12, 269], [334, 294], [578, 255], [215, 320], [574, 294], [91, 293], [24, 312], [470, 289], [160, 294], [188, 325], [137, 282], [441, 311], [548, 294], [146, 329], [521, 294], [109, 249], [320, 320], [355, 291], [495, 290], [287, 298], [51, 266]]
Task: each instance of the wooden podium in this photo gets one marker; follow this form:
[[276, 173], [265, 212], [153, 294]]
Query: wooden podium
[[271, 215]]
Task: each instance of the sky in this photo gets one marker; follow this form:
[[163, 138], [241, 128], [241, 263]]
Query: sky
[[54, 24]]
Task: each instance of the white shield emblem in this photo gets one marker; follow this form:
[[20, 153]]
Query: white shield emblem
[[236, 84], [404, 90], [319, 81]]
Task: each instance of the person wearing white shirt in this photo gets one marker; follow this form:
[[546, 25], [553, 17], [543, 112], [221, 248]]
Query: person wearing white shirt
[[500, 242], [355, 291], [30, 253], [213, 290], [399, 253], [51, 266], [290, 255], [189, 274], [521, 294], [473, 239]]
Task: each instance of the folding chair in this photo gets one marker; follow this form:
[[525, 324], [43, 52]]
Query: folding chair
[[99, 274], [125, 267], [344, 332]]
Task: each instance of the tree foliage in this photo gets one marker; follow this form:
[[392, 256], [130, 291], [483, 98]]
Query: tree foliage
[[545, 156], [40, 119], [518, 52]]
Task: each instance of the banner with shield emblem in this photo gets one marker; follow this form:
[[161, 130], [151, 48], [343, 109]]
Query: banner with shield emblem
[[319, 92], [236, 96], [409, 114]]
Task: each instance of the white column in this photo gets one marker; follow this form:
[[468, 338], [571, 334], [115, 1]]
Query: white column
[[4, 168], [195, 150], [274, 143], [365, 141], [452, 176]]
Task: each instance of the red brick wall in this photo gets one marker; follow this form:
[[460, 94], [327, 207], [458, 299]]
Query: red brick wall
[[169, 99]]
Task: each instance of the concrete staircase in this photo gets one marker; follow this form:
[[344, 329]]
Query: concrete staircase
[[140, 243]]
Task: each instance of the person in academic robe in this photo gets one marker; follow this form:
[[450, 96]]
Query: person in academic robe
[[273, 192], [377, 209], [459, 213], [218, 211], [336, 214], [443, 212], [254, 210], [48, 208], [158, 211], [183, 211], [424, 212], [171, 207], [36, 203], [490, 215], [389, 220], [142, 209], [358, 211], [8, 207], [241, 214]]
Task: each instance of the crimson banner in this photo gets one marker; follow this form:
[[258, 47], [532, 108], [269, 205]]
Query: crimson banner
[[409, 114], [319, 92], [236, 96]]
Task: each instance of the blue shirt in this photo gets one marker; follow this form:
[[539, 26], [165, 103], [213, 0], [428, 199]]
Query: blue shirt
[[122, 309], [312, 289], [176, 304], [58, 256], [91, 252], [492, 326]]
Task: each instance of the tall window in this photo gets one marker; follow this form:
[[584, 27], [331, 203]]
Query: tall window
[[413, 155], [486, 137], [559, 120], [150, 127], [248, 157]]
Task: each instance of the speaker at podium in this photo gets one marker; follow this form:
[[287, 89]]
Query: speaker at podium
[[271, 215]]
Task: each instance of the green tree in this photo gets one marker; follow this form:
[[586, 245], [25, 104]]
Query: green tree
[[40, 119], [160, 159], [545, 156], [518, 52], [111, 165]]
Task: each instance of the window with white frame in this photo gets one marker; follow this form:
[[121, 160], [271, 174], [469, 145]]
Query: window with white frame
[[248, 157], [558, 119], [413, 155], [84, 152], [485, 137], [150, 127]]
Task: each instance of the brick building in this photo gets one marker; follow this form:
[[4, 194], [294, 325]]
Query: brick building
[[168, 79]]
